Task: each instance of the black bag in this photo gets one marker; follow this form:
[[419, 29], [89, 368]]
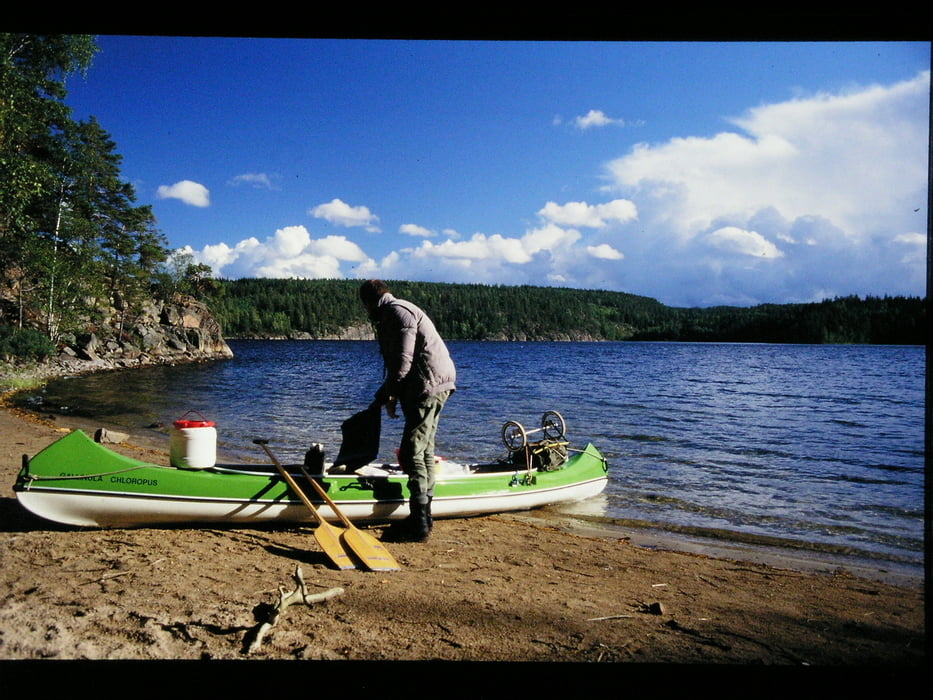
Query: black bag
[[360, 446]]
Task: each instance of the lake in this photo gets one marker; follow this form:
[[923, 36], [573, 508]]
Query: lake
[[817, 447]]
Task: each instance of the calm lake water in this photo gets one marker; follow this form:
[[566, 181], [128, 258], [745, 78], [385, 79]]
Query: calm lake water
[[816, 447]]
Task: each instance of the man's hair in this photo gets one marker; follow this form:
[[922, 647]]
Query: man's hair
[[371, 290]]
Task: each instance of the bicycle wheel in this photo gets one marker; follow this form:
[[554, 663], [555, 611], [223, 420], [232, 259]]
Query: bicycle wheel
[[514, 436], [553, 425]]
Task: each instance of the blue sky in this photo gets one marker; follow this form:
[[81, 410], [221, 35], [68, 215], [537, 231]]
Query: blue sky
[[697, 173]]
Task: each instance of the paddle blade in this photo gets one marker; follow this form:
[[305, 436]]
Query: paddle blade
[[329, 539], [370, 551]]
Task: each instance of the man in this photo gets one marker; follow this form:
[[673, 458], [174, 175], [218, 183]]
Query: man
[[420, 376]]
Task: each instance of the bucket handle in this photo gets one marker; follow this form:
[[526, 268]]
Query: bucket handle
[[193, 411]]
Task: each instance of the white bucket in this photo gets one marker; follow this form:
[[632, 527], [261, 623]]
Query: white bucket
[[193, 443]]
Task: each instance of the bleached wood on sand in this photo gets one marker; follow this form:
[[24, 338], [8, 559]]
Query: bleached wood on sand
[[299, 595]]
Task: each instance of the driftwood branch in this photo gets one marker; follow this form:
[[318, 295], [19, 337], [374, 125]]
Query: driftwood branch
[[299, 595]]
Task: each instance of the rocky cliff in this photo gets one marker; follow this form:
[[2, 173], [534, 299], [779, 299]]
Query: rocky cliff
[[183, 330]]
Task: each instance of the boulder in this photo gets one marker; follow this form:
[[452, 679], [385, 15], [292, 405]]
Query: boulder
[[112, 437]]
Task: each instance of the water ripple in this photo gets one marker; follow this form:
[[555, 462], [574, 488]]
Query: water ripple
[[820, 445]]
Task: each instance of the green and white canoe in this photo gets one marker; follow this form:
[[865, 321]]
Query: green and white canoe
[[77, 481]]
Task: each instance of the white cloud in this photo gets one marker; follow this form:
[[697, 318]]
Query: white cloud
[[849, 158], [595, 118], [189, 192], [592, 216], [731, 239], [479, 247], [823, 191], [342, 214], [300, 267], [338, 247], [289, 252], [550, 238], [604, 252], [258, 180], [498, 248], [698, 179], [415, 230]]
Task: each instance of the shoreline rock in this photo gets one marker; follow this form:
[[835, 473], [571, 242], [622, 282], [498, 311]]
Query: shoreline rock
[[169, 333]]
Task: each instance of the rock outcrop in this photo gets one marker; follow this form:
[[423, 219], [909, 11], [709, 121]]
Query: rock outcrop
[[162, 333]]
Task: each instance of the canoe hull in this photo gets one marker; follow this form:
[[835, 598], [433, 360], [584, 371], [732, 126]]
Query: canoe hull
[[78, 482]]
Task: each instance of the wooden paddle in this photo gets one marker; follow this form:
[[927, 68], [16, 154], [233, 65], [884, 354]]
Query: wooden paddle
[[371, 551], [367, 548], [327, 535]]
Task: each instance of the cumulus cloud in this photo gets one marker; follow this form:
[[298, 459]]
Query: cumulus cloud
[[193, 193], [588, 215], [342, 214], [498, 248], [290, 252], [415, 230], [823, 193], [851, 158], [595, 118], [479, 248], [603, 251], [732, 239], [814, 197]]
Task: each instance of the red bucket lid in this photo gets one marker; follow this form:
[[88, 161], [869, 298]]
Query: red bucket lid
[[194, 424], [182, 423]]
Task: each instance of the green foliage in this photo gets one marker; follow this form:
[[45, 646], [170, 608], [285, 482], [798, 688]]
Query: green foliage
[[849, 320], [179, 274], [24, 344], [266, 307], [71, 234], [256, 307]]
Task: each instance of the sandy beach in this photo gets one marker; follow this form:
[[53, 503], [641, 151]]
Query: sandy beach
[[503, 588]]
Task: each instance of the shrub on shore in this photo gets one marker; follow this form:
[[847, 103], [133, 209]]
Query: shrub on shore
[[24, 344]]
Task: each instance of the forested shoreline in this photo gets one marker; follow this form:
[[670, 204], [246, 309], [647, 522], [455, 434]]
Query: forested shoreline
[[277, 308]]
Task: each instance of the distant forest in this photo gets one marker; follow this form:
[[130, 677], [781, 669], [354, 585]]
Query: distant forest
[[263, 308]]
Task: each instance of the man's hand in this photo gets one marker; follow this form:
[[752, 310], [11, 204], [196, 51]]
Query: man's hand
[[390, 407]]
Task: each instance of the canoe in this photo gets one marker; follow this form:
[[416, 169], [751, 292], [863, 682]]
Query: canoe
[[79, 482]]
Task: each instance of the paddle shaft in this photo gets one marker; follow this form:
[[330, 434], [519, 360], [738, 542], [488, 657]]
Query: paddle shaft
[[331, 543], [347, 523], [371, 552], [317, 487], [290, 480]]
